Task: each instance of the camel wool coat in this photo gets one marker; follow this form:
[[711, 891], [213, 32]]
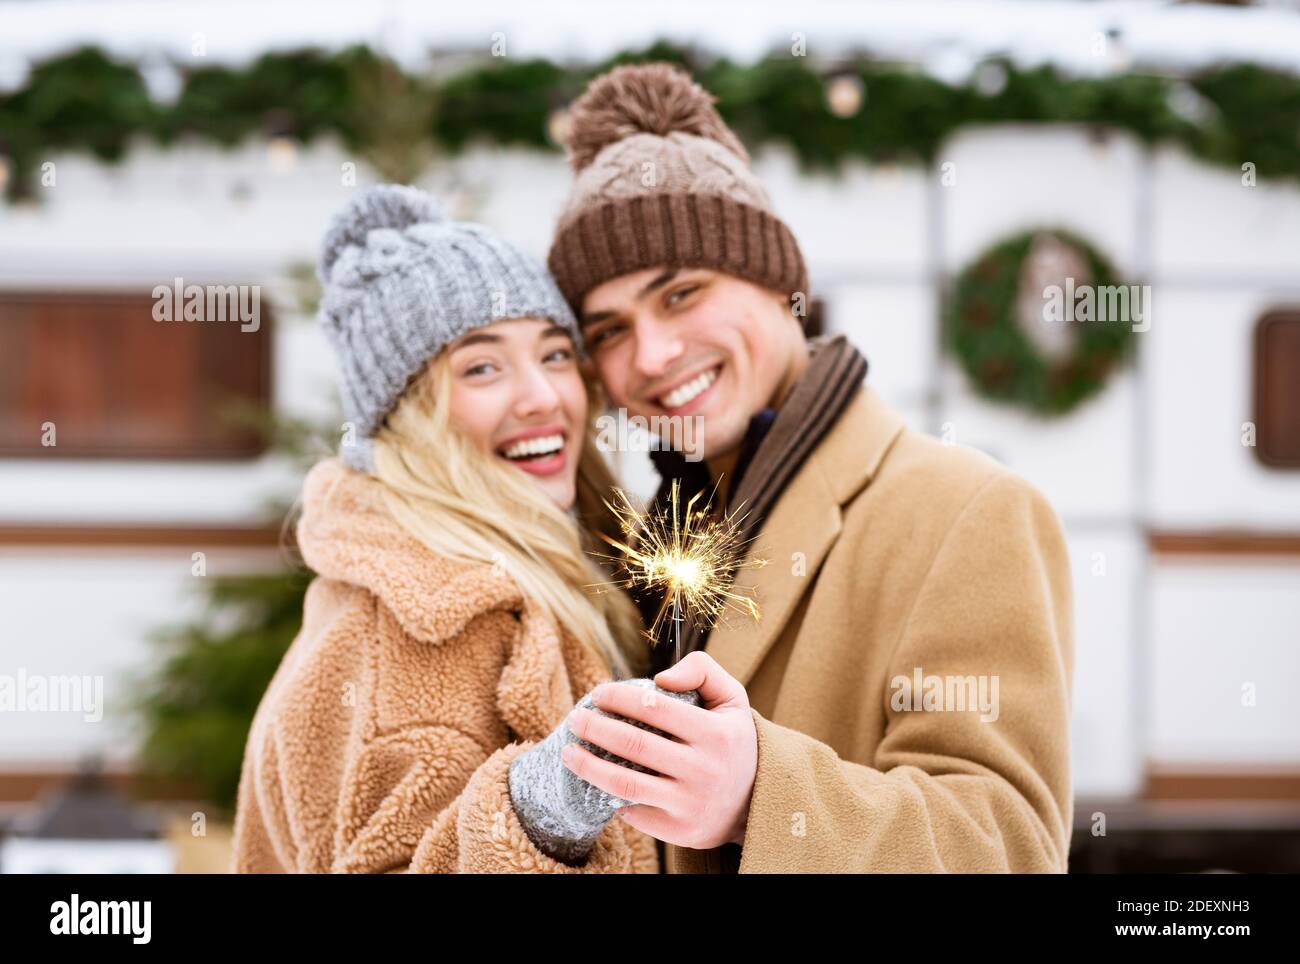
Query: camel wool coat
[[893, 557], [383, 741]]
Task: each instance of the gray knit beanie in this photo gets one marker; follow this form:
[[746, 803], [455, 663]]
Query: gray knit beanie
[[401, 282]]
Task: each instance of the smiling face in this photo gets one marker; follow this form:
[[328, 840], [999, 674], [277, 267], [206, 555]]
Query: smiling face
[[694, 342], [516, 391]]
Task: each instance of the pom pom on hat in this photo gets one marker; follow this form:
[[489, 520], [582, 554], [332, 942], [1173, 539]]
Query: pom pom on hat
[[657, 98], [704, 206], [395, 206], [399, 282]]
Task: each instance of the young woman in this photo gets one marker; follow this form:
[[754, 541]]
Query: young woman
[[452, 625]]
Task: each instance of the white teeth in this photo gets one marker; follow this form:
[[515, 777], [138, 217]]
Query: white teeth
[[684, 393], [542, 445]]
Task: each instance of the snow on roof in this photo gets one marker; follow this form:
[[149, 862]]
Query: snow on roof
[[946, 37]]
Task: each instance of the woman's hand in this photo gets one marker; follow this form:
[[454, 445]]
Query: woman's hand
[[701, 800], [560, 812]]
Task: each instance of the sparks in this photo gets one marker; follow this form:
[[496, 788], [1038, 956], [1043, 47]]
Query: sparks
[[694, 559]]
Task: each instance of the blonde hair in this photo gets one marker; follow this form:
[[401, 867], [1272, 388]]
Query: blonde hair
[[469, 506]]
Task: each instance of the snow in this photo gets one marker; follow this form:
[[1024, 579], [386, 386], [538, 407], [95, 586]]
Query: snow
[[946, 37]]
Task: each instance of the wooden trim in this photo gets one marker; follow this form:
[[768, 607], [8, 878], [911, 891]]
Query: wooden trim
[[1224, 543], [24, 786], [1277, 343], [1182, 815], [1165, 785], [1218, 783], [116, 536]]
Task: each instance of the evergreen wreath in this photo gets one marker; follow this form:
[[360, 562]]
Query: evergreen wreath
[[982, 330]]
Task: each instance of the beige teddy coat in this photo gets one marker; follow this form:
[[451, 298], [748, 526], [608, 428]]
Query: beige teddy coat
[[383, 741]]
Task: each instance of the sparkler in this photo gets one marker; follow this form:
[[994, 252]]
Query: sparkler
[[693, 557]]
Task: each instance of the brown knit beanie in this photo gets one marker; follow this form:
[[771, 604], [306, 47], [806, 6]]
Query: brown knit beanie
[[661, 180]]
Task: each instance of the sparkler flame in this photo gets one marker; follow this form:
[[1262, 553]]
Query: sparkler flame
[[694, 559]]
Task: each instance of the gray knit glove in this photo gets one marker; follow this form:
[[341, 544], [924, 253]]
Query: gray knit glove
[[562, 813]]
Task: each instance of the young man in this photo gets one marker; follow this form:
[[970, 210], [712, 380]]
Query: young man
[[903, 702]]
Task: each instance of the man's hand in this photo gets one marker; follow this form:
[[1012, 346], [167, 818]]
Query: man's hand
[[702, 798]]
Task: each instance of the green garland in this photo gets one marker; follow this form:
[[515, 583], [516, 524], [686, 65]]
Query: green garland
[[84, 100], [982, 331]]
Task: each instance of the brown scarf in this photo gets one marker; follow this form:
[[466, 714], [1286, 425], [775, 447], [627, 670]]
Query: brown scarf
[[769, 460]]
